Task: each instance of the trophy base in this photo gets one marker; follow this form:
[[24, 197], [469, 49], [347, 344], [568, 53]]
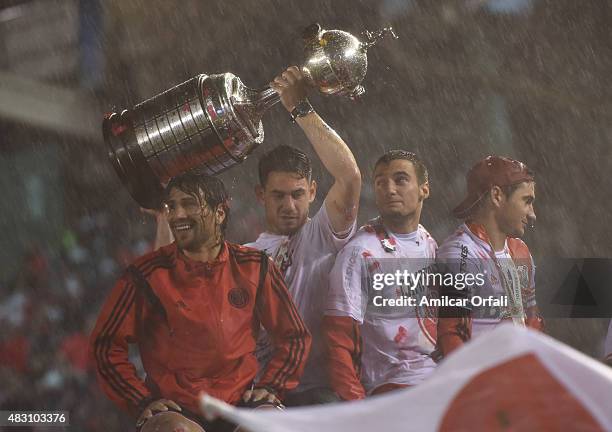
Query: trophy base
[[206, 124]]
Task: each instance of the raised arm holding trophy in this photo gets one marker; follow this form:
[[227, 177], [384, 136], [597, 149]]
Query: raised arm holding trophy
[[212, 122]]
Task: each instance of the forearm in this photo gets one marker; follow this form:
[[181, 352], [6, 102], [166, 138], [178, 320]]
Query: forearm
[[163, 234], [331, 149]]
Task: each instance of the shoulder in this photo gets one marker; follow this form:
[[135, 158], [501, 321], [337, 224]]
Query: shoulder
[[162, 258], [426, 236], [259, 243], [458, 245], [244, 253], [518, 248], [248, 263], [364, 239]]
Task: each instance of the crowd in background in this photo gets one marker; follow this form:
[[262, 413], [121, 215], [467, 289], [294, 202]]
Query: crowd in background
[[46, 316]]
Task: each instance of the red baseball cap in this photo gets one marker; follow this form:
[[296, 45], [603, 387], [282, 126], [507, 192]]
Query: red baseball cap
[[488, 172]]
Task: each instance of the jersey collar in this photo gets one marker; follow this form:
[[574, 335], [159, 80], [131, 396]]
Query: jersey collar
[[478, 230]]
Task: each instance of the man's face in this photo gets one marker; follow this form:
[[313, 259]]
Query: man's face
[[516, 211], [397, 190], [286, 197], [193, 223]]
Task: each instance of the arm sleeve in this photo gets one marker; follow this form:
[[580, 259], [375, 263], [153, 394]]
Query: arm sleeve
[[341, 325], [290, 338], [454, 323], [343, 341], [114, 330], [453, 330], [346, 294], [321, 232]]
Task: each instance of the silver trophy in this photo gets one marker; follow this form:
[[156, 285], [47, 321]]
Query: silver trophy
[[213, 122]]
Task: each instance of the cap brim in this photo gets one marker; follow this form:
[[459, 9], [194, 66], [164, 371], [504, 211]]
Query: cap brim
[[464, 208]]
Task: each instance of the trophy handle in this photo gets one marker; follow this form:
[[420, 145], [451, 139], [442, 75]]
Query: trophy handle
[[312, 33], [372, 37]]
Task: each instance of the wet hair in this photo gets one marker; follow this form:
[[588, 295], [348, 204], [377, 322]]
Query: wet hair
[[507, 190], [419, 166], [284, 158], [202, 186], [510, 189]]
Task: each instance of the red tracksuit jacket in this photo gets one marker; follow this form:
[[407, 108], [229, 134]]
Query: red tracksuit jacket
[[196, 326]]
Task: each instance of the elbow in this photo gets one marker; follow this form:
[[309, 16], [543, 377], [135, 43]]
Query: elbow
[[350, 181], [353, 176]]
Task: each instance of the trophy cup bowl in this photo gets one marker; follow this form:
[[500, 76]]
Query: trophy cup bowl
[[210, 123]]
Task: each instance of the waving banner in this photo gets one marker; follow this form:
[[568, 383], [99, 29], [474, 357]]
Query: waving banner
[[509, 379]]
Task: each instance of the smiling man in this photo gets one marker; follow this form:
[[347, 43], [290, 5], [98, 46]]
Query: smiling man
[[195, 308], [374, 349], [304, 249], [496, 212]]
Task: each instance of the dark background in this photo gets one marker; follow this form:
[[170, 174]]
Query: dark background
[[522, 78]]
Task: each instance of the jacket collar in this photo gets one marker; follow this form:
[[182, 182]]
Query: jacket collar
[[221, 258]]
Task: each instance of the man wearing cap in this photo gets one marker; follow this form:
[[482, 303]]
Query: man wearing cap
[[496, 211]]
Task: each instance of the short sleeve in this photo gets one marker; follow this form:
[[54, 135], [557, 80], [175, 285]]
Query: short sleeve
[[345, 297], [320, 230]]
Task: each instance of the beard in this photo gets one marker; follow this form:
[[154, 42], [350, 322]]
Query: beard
[[194, 238], [396, 215]]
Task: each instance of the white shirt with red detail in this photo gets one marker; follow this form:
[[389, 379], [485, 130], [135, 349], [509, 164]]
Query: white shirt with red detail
[[465, 252], [397, 341], [305, 259]]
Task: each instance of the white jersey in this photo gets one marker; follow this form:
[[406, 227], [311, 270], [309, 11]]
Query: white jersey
[[305, 259], [397, 341], [505, 275]]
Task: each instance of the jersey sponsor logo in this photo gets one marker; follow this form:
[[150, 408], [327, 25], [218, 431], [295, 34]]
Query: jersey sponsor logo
[[238, 297], [463, 262]]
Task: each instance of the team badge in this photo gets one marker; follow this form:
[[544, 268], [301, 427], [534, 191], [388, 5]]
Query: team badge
[[238, 297], [388, 245]]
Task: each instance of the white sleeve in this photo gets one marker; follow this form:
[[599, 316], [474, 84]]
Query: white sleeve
[[320, 229], [345, 297], [454, 258]]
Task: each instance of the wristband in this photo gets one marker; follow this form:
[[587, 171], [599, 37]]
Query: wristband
[[301, 109]]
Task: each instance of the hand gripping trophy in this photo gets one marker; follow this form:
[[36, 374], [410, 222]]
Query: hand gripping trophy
[[212, 122]]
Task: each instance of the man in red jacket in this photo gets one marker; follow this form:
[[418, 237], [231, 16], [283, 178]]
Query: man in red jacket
[[194, 308]]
